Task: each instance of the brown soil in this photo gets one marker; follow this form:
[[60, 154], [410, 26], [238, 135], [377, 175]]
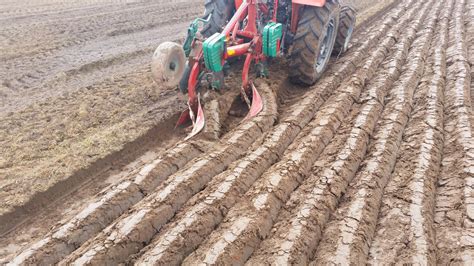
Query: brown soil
[[70, 96], [372, 165]]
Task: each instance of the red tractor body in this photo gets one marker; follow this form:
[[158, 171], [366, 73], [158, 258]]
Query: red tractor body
[[296, 5], [295, 2], [319, 3]]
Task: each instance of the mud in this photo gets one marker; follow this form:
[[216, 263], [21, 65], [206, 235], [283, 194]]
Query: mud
[[118, 198], [469, 20], [252, 218], [371, 165], [70, 96], [408, 200], [127, 236], [347, 237], [454, 211], [298, 229], [65, 109], [208, 208], [224, 190]]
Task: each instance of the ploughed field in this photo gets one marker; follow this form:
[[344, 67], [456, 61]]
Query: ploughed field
[[374, 164]]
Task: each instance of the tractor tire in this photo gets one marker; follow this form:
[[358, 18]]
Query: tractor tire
[[347, 21], [313, 43], [220, 11]]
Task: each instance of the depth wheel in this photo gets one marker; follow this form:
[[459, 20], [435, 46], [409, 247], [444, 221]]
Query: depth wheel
[[313, 43], [168, 64]]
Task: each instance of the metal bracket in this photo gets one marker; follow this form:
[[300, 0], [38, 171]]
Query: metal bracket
[[193, 30]]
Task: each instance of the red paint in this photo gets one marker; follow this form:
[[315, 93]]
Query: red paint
[[275, 3], [257, 103], [239, 15], [238, 3], [246, 42], [252, 17], [245, 71], [192, 83], [319, 3], [295, 11], [295, 17]]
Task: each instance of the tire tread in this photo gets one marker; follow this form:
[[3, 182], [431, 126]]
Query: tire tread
[[347, 19], [306, 42]]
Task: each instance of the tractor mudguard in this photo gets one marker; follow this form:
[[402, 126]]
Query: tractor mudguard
[[319, 3], [301, 2], [295, 10]]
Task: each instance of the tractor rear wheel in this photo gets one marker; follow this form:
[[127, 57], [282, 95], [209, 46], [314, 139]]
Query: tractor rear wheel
[[220, 11], [313, 44], [347, 21]]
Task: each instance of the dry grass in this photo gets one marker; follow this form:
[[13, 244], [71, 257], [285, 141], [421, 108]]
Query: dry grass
[[49, 141]]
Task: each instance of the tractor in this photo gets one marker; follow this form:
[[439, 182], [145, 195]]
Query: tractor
[[307, 32]]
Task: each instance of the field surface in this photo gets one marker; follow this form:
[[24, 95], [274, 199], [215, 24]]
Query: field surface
[[374, 164]]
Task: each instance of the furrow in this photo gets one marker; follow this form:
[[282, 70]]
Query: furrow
[[251, 219], [116, 199], [469, 18], [404, 233], [208, 208], [378, 32], [454, 211], [240, 219], [396, 12], [135, 229], [113, 201], [348, 235], [298, 230]]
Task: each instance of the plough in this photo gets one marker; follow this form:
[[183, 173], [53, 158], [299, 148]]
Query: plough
[[307, 31]]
